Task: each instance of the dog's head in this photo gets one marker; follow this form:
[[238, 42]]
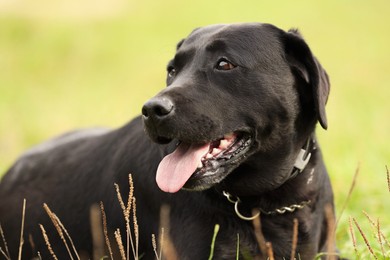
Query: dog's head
[[240, 102]]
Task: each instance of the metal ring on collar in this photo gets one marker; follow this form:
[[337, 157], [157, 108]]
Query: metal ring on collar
[[230, 197], [235, 200], [242, 216]]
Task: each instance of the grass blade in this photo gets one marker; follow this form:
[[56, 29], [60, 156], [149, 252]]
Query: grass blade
[[238, 247], [216, 230]]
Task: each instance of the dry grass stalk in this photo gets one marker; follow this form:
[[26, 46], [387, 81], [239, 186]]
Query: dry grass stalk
[[351, 188], [353, 237], [259, 235], [154, 244], [56, 224], [97, 232], [118, 238], [6, 252], [46, 238], [105, 230], [21, 230], [388, 178], [136, 228], [127, 217], [131, 195], [126, 213], [270, 251], [161, 243], [121, 203], [59, 226], [168, 249], [331, 232], [373, 224], [379, 238], [294, 239], [68, 236], [365, 238]]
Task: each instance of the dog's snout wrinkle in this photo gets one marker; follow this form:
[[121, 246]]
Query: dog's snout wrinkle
[[157, 108]]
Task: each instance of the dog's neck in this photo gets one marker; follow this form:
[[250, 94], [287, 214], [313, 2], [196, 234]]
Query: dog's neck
[[299, 166]]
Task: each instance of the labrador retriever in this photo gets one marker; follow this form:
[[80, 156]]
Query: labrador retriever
[[231, 137]]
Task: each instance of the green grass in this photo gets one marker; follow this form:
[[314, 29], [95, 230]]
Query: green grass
[[72, 64]]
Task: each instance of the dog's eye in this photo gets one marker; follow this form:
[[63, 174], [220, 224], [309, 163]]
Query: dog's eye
[[171, 72], [224, 64]]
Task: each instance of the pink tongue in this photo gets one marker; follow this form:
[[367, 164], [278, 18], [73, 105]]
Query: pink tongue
[[176, 168]]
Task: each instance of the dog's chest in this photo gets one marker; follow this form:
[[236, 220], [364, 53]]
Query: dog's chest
[[236, 241]]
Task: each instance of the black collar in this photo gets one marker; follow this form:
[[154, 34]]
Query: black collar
[[299, 165]]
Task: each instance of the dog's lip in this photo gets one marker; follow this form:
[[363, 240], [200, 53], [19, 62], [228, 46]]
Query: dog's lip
[[200, 165], [218, 146], [221, 146], [216, 165], [226, 148]]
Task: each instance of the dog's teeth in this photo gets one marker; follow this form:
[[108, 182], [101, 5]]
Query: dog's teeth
[[200, 165], [224, 144], [209, 156], [216, 151]]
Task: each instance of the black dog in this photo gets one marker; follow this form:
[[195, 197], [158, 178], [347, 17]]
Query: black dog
[[234, 129]]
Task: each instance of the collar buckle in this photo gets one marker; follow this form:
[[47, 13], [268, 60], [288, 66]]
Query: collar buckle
[[302, 160]]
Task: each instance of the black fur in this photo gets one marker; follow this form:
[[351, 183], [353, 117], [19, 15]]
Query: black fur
[[275, 95]]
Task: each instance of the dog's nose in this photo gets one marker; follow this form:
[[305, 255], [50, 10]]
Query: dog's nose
[[157, 108]]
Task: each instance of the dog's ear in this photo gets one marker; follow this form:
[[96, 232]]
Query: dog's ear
[[307, 67]]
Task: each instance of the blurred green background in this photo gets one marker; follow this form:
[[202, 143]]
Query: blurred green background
[[81, 63]]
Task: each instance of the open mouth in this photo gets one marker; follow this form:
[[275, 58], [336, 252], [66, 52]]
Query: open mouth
[[200, 166]]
